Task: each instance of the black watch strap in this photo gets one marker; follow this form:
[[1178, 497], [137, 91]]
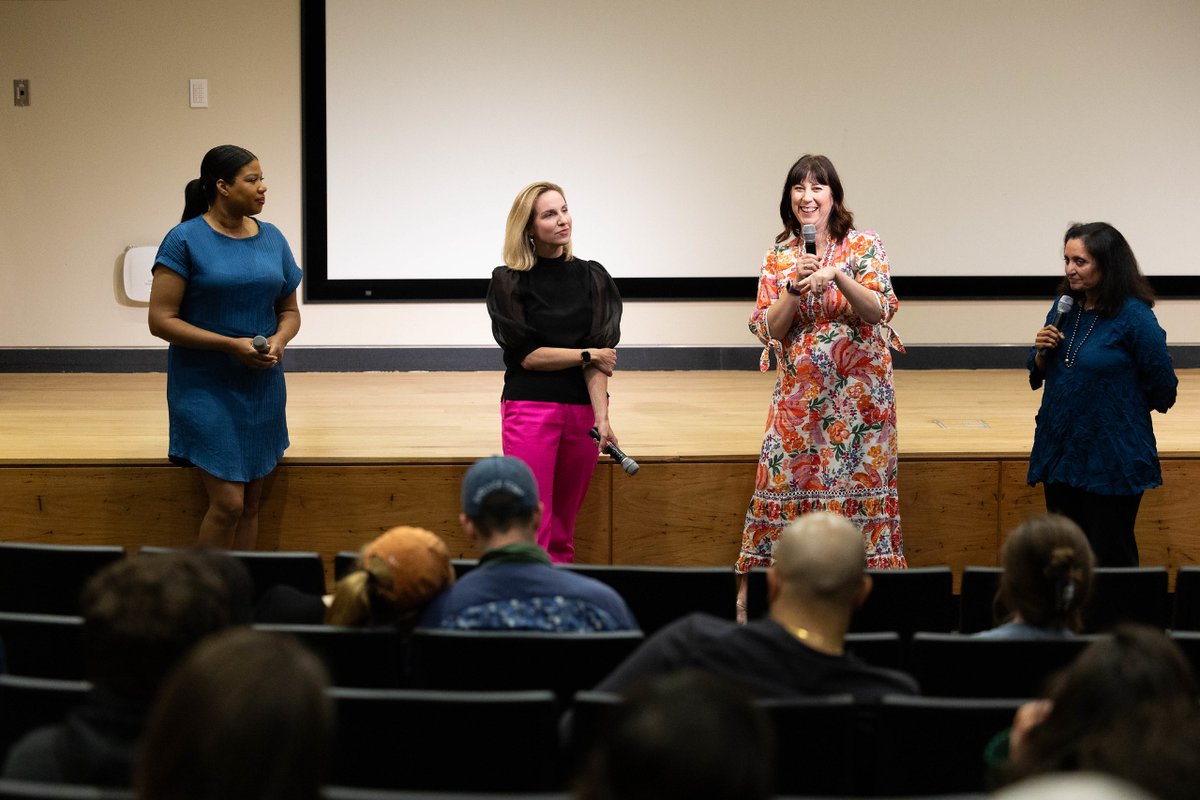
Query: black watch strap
[[585, 356]]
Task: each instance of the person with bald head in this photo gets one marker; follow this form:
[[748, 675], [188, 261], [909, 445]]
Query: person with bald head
[[816, 584]]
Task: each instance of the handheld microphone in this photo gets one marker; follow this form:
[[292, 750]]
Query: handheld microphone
[[628, 464], [1065, 303], [809, 232], [259, 343]]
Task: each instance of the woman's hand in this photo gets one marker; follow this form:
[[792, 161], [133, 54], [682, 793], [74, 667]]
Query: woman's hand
[[243, 350], [1028, 717], [607, 436], [1048, 338], [604, 359], [818, 280]]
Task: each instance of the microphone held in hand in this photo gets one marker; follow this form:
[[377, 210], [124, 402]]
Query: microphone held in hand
[[628, 464], [809, 232], [259, 343], [1061, 310]]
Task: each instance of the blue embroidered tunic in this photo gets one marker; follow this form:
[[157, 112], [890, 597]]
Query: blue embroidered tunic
[[226, 418], [1093, 428]]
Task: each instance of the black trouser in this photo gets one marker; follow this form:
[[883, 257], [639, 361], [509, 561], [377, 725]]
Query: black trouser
[[1106, 519]]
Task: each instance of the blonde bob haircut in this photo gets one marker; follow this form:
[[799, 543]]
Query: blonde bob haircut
[[519, 254]]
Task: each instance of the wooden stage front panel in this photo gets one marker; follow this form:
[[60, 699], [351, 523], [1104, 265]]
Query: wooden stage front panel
[[82, 460]]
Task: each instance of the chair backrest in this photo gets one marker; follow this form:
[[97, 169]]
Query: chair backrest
[[463, 565], [977, 594], [955, 665], [1128, 594], [908, 600], [35, 790], [29, 703], [300, 570], [658, 596], [1189, 643], [344, 563], [935, 745], [565, 663], [448, 741], [43, 645], [48, 578], [368, 658], [1187, 599], [355, 793], [819, 744], [878, 648]]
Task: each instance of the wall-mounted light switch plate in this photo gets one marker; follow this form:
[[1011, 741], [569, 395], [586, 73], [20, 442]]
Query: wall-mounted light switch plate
[[21, 92], [198, 91]]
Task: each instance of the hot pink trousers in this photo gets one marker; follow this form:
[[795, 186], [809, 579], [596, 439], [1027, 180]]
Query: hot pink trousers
[[552, 438]]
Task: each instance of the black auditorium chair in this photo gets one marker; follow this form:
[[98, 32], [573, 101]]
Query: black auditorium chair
[[933, 745], [43, 645], [590, 715], [302, 570], [29, 703], [1187, 599], [1128, 594], [47, 578], [355, 793], [463, 565], [819, 745], [908, 600], [978, 594], [344, 563], [564, 663], [1189, 643], [957, 665], [367, 658], [446, 741], [34, 790], [658, 596], [879, 648]]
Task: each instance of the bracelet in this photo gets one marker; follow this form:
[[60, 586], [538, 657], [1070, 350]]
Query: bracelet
[[790, 289]]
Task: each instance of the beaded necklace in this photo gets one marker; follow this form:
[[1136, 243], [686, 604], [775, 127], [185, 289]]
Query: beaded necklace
[[1069, 359]]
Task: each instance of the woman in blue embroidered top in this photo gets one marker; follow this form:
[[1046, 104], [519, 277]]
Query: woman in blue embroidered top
[[222, 277], [1094, 449]]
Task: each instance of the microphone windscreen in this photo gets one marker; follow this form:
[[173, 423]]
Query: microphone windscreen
[[1065, 303], [809, 232], [259, 343]]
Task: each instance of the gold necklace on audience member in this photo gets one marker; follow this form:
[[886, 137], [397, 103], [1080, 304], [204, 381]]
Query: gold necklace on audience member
[[818, 643]]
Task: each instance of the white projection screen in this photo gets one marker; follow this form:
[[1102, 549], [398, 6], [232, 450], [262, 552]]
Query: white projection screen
[[968, 134]]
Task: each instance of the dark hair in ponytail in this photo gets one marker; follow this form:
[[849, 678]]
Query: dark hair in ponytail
[[222, 163]]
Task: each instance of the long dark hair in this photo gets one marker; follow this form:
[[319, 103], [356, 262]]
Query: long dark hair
[[1120, 277], [820, 170], [222, 163]]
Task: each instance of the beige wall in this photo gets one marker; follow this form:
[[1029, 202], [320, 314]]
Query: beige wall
[[99, 160]]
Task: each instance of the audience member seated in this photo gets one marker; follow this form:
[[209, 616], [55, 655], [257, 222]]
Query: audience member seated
[[1047, 579], [245, 716], [140, 616], [817, 582], [1126, 707], [1072, 786], [686, 736], [398, 574], [515, 587]]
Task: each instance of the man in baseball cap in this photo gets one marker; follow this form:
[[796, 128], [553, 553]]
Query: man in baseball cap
[[515, 587]]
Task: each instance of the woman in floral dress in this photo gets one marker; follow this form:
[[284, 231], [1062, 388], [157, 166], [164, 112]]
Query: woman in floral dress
[[830, 441]]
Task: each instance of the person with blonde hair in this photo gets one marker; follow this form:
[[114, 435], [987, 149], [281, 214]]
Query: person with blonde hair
[[558, 320], [1047, 579]]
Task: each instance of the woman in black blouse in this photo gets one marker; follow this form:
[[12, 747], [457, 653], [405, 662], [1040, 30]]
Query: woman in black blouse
[[558, 320]]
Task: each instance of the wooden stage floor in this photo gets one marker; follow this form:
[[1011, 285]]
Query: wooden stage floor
[[82, 459]]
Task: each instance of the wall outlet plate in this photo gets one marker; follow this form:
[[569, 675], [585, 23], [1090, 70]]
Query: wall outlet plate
[[21, 92]]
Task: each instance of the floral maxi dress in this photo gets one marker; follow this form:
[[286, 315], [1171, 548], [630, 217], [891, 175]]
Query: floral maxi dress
[[830, 441]]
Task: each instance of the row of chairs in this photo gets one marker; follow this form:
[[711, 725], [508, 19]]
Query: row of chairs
[[512, 741], [945, 664], [47, 579]]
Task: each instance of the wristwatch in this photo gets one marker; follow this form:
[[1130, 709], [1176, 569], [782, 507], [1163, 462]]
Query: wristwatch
[[585, 357]]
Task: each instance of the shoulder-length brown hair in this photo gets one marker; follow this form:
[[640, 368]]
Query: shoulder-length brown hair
[[818, 169], [518, 247]]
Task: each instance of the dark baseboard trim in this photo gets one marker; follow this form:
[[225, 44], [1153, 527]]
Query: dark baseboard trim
[[475, 359]]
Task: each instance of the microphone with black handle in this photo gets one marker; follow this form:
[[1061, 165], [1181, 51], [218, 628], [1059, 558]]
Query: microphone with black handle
[[628, 464], [809, 232], [1065, 303]]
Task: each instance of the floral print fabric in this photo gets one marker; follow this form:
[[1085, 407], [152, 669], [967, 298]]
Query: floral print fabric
[[830, 441]]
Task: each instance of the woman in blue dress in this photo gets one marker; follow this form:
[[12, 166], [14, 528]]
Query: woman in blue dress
[[221, 278], [1094, 448]]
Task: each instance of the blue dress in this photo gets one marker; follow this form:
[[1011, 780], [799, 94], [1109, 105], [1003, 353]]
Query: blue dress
[[1093, 428], [226, 418]]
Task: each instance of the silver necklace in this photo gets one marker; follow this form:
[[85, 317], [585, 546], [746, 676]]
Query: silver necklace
[[1068, 358]]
